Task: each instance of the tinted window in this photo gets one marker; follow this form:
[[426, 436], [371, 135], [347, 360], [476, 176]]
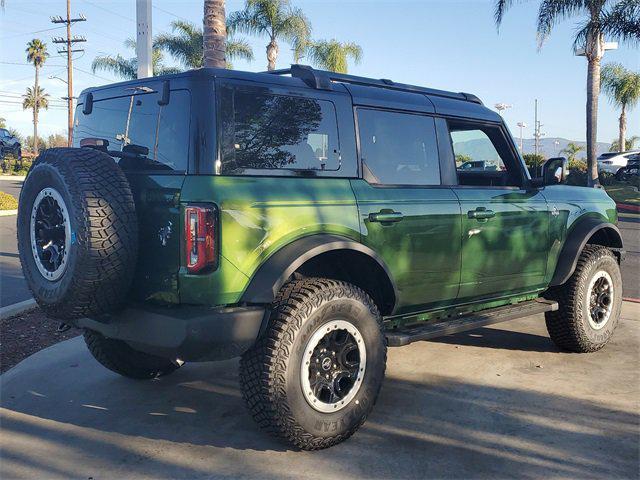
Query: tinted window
[[139, 120], [398, 148], [261, 131], [483, 156]]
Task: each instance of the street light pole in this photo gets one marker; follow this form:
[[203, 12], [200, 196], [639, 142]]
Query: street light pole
[[143, 38], [502, 106], [521, 125]]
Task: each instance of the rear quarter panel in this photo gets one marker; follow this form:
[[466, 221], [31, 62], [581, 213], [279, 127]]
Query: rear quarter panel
[[573, 205], [258, 216]]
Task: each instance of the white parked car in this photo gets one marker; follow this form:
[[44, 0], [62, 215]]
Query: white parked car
[[613, 161]]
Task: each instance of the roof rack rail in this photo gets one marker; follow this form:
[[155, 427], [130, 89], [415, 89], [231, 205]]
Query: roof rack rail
[[322, 80]]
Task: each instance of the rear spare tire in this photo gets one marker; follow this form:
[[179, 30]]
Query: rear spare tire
[[77, 233]]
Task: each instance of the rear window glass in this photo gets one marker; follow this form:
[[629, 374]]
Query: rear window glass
[[138, 120], [277, 132]]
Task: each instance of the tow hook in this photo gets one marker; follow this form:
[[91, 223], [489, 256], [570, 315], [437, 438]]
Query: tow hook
[[63, 327]]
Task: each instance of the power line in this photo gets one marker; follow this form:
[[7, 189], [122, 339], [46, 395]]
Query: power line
[[31, 33], [110, 11], [29, 64], [169, 13]]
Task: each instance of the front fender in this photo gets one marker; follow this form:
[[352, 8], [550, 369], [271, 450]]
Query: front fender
[[606, 233]]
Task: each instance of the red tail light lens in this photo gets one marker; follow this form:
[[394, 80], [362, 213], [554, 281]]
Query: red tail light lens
[[200, 244]]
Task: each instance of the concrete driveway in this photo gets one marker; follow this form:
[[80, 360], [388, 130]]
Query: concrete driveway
[[499, 402]]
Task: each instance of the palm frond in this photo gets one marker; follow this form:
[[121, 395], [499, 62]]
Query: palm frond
[[553, 11], [239, 49], [332, 55], [33, 101], [621, 85], [116, 65], [294, 27], [622, 21], [36, 52], [249, 21]]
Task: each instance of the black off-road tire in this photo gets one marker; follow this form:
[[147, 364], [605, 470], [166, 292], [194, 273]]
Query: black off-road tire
[[569, 326], [270, 371], [104, 233], [120, 358]]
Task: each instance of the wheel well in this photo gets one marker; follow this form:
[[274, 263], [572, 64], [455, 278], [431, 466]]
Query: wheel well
[[607, 237], [356, 268]]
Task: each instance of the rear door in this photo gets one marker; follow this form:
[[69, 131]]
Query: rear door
[[406, 215], [157, 138], [505, 223]]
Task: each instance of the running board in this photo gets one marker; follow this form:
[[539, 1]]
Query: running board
[[427, 331]]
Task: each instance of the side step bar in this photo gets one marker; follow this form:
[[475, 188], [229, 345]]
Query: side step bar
[[427, 331]]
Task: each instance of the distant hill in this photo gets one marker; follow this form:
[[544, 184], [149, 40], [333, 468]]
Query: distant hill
[[478, 150]]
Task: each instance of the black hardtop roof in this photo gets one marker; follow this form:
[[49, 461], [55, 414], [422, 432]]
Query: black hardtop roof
[[445, 102]]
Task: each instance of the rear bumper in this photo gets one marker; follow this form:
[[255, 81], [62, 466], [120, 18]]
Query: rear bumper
[[191, 333]]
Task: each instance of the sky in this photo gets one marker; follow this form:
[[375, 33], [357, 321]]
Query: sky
[[446, 44]]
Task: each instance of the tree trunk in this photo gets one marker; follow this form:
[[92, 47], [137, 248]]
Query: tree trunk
[[36, 106], [595, 50], [214, 34], [623, 129], [272, 54]]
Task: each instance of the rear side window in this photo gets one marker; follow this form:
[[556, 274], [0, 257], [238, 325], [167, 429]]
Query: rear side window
[[398, 148], [138, 120], [277, 132]]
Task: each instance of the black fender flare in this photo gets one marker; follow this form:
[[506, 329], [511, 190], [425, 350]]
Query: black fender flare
[[576, 240], [278, 268]]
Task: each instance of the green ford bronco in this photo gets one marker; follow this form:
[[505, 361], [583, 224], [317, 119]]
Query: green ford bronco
[[305, 221]]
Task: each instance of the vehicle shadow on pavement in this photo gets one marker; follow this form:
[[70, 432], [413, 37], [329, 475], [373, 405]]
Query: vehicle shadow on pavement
[[64, 415], [501, 339]]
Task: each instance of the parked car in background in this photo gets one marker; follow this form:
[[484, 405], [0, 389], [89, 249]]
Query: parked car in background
[[477, 165], [9, 144], [613, 161], [631, 169]]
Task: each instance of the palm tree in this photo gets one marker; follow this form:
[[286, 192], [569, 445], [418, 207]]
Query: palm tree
[[276, 19], [214, 34], [333, 55], [36, 54], [615, 19], [186, 44], [571, 150], [35, 99], [629, 144], [623, 88], [127, 68]]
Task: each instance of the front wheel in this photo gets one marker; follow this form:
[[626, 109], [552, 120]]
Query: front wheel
[[589, 302], [314, 376]]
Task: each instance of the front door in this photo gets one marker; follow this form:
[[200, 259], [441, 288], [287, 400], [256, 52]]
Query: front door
[[505, 223], [406, 215]]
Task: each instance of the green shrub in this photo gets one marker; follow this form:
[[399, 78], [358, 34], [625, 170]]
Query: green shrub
[[7, 202], [579, 165]]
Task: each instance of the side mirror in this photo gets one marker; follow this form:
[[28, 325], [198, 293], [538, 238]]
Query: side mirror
[[555, 171]]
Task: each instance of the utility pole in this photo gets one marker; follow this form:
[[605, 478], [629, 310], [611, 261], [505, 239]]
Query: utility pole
[[522, 125], [69, 51]]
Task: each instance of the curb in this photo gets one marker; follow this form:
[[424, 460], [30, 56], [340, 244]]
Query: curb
[[19, 178], [17, 308], [8, 213], [627, 208]]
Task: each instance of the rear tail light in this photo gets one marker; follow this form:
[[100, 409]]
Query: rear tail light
[[200, 238]]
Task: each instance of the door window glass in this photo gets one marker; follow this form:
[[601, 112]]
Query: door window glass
[[277, 132], [398, 148], [483, 157]]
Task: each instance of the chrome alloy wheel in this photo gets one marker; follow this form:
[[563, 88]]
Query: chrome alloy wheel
[[50, 231], [333, 366], [600, 298]]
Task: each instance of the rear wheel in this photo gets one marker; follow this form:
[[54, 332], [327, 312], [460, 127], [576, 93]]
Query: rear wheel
[[314, 376], [120, 358], [590, 302]]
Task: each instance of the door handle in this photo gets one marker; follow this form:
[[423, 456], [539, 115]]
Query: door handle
[[481, 213], [386, 216]]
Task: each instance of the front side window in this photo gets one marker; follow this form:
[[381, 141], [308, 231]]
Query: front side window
[[398, 148], [277, 132], [482, 156]]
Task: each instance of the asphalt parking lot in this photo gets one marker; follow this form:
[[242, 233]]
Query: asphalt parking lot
[[499, 402]]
